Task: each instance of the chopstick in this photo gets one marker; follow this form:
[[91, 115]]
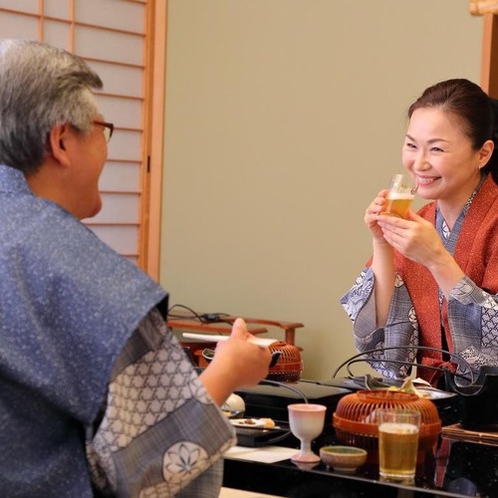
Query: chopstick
[[260, 341]]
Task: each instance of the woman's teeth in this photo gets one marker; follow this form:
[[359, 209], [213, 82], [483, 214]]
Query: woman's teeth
[[426, 181]]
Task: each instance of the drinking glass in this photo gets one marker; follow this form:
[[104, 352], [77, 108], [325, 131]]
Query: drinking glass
[[399, 197], [306, 422], [398, 443]]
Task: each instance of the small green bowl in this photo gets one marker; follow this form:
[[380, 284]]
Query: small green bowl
[[345, 459]]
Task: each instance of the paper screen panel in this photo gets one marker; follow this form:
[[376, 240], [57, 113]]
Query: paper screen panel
[[57, 33], [60, 9], [110, 36], [120, 80], [109, 45], [18, 26], [28, 6], [125, 144], [131, 14], [125, 237], [119, 208], [123, 112], [127, 173]]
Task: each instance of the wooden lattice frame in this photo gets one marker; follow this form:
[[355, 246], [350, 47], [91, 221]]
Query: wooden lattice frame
[[481, 7]]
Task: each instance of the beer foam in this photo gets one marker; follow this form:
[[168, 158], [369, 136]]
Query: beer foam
[[400, 195], [398, 428]]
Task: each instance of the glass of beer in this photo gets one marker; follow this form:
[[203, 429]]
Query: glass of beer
[[398, 443], [399, 197]]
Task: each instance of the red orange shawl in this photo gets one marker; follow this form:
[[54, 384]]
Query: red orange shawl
[[477, 255]]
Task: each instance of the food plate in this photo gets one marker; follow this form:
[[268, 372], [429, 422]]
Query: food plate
[[255, 438], [418, 386], [249, 423], [434, 394]]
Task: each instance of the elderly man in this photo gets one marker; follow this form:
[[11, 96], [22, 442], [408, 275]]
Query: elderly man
[[96, 395]]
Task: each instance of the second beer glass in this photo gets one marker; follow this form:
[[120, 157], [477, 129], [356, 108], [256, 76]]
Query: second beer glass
[[398, 444]]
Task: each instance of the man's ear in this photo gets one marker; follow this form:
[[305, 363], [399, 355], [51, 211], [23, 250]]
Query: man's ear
[[57, 137]]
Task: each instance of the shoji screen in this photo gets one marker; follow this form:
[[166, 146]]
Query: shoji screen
[[114, 37]]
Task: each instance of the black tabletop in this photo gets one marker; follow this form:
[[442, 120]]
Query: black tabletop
[[450, 468]]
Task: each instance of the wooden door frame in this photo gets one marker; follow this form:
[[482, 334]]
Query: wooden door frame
[[489, 55], [150, 243]]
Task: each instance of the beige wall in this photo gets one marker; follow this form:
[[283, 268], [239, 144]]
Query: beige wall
[[283, 119]]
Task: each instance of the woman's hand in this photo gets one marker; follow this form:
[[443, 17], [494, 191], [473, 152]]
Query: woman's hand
[[414, 237], [418, 240], [372, 213]]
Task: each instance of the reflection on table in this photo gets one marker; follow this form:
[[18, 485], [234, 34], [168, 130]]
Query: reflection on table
[[455, 469]]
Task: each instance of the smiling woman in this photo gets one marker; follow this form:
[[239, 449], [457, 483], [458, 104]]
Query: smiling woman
[[442, 261]]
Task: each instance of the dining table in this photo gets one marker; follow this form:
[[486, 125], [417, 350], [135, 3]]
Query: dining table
[[460, 463]]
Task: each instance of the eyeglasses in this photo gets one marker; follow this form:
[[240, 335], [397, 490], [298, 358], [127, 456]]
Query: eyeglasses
[[108, 129]]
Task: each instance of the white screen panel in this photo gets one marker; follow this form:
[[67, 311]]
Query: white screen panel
[[120, 177], [57, 33], [18, 26], [119, 208], [122, 80], [123, 239], [103, 13], [108, 45], [114, 45], [128, 111], [56, 8], [29, 6], [125, 144]]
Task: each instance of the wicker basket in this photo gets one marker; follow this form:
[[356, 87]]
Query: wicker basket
[[289, 366], [355, 419]]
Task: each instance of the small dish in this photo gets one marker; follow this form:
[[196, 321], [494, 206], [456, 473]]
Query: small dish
[[345, 459]]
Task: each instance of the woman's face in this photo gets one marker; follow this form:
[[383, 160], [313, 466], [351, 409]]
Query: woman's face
[[440, 158]]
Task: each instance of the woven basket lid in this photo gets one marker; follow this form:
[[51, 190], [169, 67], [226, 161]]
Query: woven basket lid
[[289, 366], [357, 413]]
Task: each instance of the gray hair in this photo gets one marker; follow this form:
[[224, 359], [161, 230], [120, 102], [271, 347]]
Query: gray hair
[[40, 86]]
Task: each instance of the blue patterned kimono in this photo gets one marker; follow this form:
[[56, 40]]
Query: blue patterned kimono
[[96, 395]]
